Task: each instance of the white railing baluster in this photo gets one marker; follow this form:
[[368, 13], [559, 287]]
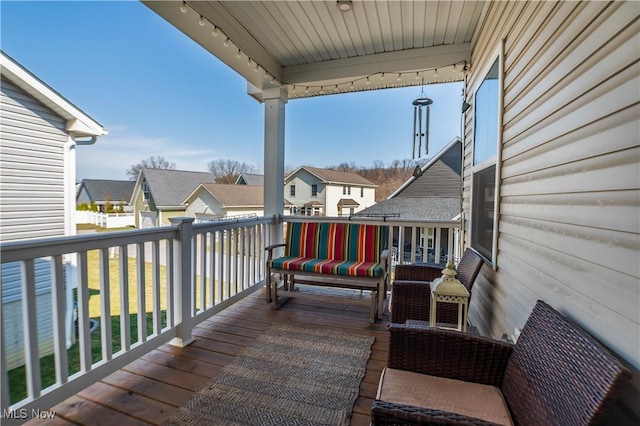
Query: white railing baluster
[[243, 259], [236, 259], [228, 272], [438, 236], [30, 326], [169, 282], [141, 294], [125, 324], [203, 272], [220, 285], [58, 304], [155, 286], [105, 306], [212, 268], [450, 248], [413, 244], [83, 314], [194, 276]]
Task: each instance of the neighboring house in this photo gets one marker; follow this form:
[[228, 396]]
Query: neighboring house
[[212, 201], [159, 194], [431, 194], [39, 134], [250, 179], [101, 191], [321, 192]]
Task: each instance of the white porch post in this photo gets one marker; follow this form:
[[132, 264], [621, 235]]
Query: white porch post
[[274, 104]]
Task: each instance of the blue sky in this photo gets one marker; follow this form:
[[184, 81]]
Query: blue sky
[[159, 93]]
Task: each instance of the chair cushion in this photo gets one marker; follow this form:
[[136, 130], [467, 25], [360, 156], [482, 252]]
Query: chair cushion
[[453, 396], [328, 266]]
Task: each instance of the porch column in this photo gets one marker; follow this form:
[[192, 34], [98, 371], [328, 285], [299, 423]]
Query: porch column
[[274, 103]]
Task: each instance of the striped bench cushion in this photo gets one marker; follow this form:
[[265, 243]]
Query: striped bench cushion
[[328, 266], [336, 241]]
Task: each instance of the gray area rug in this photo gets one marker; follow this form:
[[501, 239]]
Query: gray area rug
[[288, 376]]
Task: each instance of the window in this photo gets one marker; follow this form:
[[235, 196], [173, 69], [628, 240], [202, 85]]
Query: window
[[314, 190], [486, 140], [361, 192], [146, 194], [292, 190], [346, 190]]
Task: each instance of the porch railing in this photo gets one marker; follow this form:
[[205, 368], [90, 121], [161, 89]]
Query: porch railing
[[153, 286]]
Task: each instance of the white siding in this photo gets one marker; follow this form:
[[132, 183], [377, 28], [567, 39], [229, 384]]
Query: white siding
[[569, 230], [32, 205], [32, 172]]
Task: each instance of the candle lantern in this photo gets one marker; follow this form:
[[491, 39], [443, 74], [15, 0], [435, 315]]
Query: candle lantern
[[448, 289]]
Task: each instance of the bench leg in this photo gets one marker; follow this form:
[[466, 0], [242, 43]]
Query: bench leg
[[382, 290]]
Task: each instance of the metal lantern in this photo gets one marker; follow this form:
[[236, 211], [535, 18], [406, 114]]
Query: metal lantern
[[421, 108], [448, 289]]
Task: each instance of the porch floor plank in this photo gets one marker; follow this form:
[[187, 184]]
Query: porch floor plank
[[157, 384]]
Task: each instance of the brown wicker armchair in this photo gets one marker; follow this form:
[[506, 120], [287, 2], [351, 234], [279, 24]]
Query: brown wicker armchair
[[411, 294], [557, 374]]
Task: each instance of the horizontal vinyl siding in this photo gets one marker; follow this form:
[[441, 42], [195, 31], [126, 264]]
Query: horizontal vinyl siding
[[32, 172], [569, 230], [442, 179]]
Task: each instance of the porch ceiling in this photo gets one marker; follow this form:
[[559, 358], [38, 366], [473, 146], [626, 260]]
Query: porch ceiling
[[312, 48]]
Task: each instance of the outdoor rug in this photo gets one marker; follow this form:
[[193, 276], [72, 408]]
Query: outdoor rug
[[288, 376]]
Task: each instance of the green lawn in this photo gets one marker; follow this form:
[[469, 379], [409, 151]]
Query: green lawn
[[17, 378]]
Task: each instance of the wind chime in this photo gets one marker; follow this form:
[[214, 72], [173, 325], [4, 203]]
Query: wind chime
[[421, 111]]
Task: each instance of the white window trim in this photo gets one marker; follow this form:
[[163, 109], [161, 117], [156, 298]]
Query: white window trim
[[496, 159]]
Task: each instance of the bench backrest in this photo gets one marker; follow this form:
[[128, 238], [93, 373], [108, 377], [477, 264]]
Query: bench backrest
[[558, 374], [338, 241]]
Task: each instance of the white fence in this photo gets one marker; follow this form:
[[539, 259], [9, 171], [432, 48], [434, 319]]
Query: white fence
[[106, 220]]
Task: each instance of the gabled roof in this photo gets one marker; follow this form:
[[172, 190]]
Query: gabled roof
[[100, 189], [169, 188], [333, 176], [426, 208], [231, 195], [250, 179], [78, 122], [439, 176]]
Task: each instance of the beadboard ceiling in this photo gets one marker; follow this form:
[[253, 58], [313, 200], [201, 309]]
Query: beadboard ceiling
[[312, 48]]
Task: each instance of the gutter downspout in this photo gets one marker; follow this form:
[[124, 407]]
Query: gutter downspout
[[70, 260]]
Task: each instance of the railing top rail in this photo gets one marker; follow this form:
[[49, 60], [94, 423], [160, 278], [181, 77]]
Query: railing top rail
[[375, 221], [43, 247], [231, 223]]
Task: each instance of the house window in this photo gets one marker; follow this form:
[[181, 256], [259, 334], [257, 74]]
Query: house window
[[292, 190], [146, 194], [487, 121], [314, 190], [361, 192], [346, 190]]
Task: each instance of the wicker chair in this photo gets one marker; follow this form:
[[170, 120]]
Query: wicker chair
[[411, 293], [557, 374]]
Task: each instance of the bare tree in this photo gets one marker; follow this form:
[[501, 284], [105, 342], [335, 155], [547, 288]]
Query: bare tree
[[227, 170], [153, 162]]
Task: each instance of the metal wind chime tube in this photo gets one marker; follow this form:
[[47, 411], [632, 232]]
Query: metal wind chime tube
[[421, 108]]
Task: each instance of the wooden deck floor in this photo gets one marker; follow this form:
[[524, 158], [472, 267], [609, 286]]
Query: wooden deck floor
[[154, 386]]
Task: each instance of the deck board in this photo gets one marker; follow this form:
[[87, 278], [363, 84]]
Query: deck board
[[157, 384]]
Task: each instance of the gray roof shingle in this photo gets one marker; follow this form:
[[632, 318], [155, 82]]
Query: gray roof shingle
[[99, 189], [426, 208], [169, 188]]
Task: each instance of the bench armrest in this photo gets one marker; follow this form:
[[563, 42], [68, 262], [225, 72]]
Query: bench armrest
[[273, 246], [270, 249], [450, 354]]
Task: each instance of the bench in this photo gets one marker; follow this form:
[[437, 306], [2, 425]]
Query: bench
[[344, 255], [556, 374]]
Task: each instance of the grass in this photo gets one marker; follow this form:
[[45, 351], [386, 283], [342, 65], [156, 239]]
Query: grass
[[17, 376]]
